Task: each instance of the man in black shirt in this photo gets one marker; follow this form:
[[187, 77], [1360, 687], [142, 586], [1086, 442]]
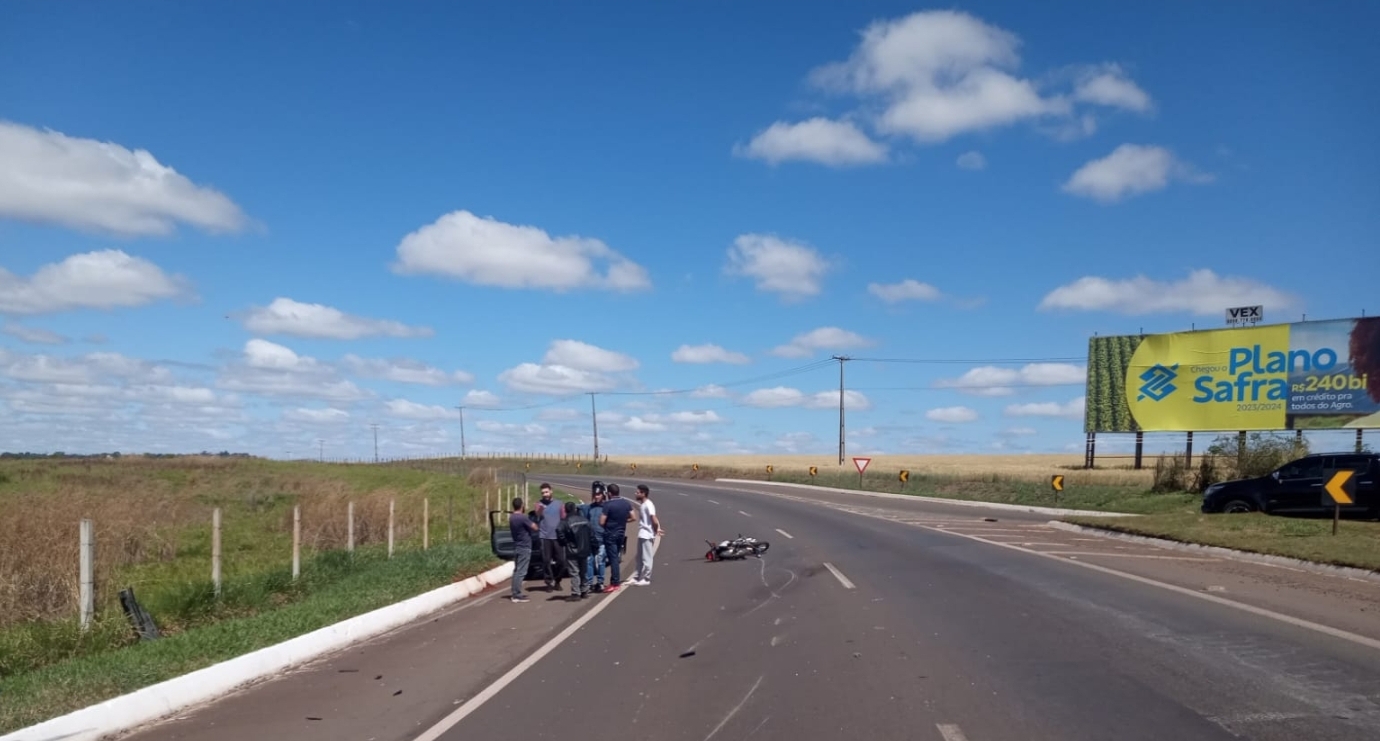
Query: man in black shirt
[[521, 527], [618, 512], [574, 534]]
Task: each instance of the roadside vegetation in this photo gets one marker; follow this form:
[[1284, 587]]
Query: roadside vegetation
[[152, 522], [1357, 543]]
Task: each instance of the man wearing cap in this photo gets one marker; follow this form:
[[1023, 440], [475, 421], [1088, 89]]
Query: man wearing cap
[[594, 566]]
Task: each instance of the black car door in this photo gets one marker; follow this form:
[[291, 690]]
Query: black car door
[[1300, 485]]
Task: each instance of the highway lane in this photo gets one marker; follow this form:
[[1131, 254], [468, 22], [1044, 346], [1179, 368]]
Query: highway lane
[[939, 637]]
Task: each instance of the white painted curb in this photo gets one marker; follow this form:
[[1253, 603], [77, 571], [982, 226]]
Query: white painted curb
[[130, 711], [937, 500]]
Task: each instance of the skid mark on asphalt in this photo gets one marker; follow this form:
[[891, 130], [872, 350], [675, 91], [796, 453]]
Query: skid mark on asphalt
[[736, 708]]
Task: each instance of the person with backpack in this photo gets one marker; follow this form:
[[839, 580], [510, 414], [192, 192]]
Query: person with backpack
[[594, 568], [573, 533]]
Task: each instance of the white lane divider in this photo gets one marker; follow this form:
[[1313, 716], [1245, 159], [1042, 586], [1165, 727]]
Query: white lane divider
[[951, 732], [711, 501], [744, 514], [839, 575], [474, 703], [783, 532]]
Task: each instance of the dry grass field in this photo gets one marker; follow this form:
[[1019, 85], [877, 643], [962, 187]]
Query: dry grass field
[[1033, 468]]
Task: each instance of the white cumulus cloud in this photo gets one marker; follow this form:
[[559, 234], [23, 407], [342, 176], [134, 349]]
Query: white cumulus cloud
[[586, 357], [313, 416], [403, 370], [710, 391], [953, 415], [1130, 170], [991, 380], [1108, 85], [404, 409], [488, 252], [822, 140], [107, 279], [1070, 410], [638, 424], [824, 338], [285, 316], [707, 354], [556, 380], [785, 267], [1202, 292], [480, 398], [50, 178], [784, 396], [907, 290], [269, 369]]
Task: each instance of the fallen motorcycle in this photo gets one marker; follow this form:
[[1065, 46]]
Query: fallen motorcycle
[[735, 549]]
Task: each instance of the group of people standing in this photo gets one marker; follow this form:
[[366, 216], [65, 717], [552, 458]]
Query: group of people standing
[[586, 541]]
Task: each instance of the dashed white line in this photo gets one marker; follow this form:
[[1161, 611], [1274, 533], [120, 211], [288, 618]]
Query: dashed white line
[[783, 532], [711, 501], [951, 732], [681, 493], [744, 514], [839, 575], [449, 722], [1126, 555]]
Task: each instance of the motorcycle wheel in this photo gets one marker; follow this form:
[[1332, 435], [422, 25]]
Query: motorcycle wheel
[[761, 548]]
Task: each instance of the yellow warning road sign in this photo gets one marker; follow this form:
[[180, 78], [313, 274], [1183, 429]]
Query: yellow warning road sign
[[905, 476], [1341, 488], [1056, 482], [769, 468], [814, 470]]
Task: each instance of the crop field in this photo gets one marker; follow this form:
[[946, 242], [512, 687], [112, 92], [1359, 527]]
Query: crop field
[[1033, 468]]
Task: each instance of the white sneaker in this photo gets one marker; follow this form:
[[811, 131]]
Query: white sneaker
[[640, 582]]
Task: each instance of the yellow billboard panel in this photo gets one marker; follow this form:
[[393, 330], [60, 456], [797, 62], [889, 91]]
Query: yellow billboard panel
[[1320, 375]]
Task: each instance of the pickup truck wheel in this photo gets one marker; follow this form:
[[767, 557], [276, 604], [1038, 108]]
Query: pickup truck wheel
[[1238, 506]]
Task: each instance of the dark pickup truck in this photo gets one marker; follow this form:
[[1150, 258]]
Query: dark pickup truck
[[1297, 487], [501, 543]]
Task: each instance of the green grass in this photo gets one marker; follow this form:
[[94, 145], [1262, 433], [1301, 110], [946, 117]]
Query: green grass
[[254, 613], [1357, 543], [995, 488]]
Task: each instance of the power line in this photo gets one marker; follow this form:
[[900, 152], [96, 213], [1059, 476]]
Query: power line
[[817, 365], [970, 388], [960, 361]]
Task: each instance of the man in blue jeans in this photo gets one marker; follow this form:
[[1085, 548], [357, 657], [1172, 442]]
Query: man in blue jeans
[[618, 512], [521, 527], [594, 568]]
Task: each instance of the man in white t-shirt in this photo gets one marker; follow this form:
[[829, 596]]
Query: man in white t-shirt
[[648, 529]]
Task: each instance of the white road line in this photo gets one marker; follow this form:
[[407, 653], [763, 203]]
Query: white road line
[[783, 532], [1242, 606], [839, 575], [951, 732], [449, 722], [711, 501], [744, 514], [682, 494]]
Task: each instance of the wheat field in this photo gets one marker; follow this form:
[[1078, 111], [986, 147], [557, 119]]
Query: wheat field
[[976, 467]]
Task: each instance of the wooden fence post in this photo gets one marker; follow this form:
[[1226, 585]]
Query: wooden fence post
[[215, 550], [350, 527], [426, 524], [296, 541], [390, 527], [87, 591]]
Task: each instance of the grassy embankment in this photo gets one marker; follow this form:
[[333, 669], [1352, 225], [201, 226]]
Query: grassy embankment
[[1357, 543], [152, 521]]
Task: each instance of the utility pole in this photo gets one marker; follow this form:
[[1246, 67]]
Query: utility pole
[[321, 445], [841, 359], [375, 425], [594, 416], [462, 430]]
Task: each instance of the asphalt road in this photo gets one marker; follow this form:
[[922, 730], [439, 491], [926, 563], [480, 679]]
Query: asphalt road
[[857, 626]]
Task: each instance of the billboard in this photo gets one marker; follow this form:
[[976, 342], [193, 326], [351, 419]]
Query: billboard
[[1306, 375]]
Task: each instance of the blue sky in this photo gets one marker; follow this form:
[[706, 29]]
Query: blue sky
[[251, 226]]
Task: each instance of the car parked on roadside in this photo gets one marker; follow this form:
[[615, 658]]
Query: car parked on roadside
[[1297, 487], [501, 543]]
